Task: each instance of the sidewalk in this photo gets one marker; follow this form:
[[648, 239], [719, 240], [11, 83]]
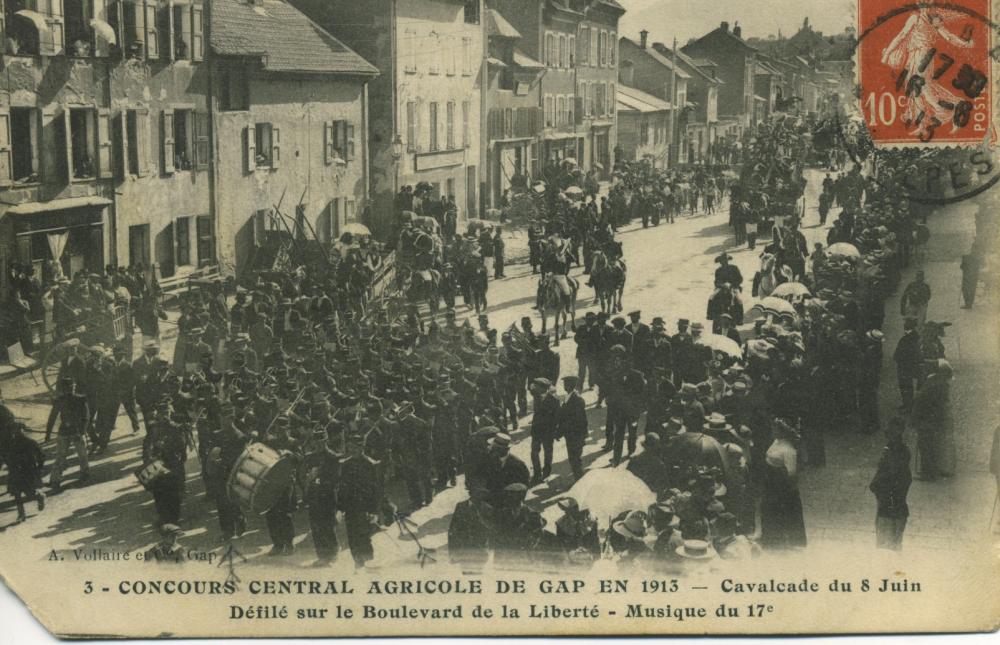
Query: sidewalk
[[837, 502]]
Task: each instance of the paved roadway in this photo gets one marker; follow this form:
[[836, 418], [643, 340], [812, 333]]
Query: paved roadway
[[670, 274]]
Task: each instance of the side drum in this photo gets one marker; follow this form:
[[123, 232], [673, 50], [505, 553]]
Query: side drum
[[259, 478]]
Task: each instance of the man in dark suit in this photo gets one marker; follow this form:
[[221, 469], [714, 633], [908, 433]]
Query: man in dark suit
[[587, 341], [70, 408], [573, 424], [145, 386], [908, 359], [544, 428], [640, 331], [619, 335], [503, 469]]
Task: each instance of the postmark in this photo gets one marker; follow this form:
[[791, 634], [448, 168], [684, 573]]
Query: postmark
[[924, 72]]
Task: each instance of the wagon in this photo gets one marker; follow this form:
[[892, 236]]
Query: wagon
[[109, 327]]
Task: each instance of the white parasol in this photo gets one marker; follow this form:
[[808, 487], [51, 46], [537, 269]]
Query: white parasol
[[608, 492], [772, 305], [843, 249], [356, 228], [791, 290], [720, 343]]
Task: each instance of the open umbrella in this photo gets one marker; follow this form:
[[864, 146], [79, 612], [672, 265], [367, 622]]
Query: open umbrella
[[772, 305], [356, 228], [791, 290], [573, 191], [608, 492], [569, 161], [720, 343], [538, 187], [843, 249]]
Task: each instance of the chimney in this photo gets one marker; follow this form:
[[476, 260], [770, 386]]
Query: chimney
[[643, 37], [737, 30], [724, 26]]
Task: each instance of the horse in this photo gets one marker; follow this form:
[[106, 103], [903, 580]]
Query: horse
[[607, 276], [769, 276], [558, 296]]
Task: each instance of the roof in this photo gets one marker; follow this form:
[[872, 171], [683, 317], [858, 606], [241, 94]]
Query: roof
[[689, 63], [612, 4], [497, 25], [702, 62], [523, 60], [723, 33], [632, 99], [282, 37], [657, 56]]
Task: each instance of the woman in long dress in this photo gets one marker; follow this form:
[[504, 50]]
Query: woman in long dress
[[909, 49], [782, 525]]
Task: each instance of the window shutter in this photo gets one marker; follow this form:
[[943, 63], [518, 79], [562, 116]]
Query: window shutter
[[56, 27], [328, 148], [104, 166], [275, 147], [584, 45], [197, 32], [142, 140], [202, 149], [167, 138], [69, 143], [350, 142], [6, 169], [250, 147], [151, 37]]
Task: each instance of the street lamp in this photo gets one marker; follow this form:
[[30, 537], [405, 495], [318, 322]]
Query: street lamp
[[397, 148]]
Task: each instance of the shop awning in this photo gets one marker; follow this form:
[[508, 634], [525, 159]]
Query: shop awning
[[104, 31], [523, 60], [496, 62], [32, 208]]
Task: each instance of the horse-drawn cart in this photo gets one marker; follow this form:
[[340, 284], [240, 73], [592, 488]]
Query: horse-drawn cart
[[107, 327]]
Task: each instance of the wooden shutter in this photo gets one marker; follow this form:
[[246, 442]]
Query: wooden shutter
[[55, 19], [142, 141], [6, 167], [275, 147], [151, 36], [584, 46], [197, 32], [350, 142], [104, 165], [202, 149], [250, 147], [167, 139], [69, 143], [328, 147]]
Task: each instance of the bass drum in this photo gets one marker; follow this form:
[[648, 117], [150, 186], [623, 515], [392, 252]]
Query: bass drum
[[260, 477]]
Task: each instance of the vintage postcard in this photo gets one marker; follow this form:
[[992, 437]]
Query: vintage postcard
[[500, 317]]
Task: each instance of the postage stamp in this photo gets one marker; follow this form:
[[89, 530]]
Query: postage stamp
[[924, 70]]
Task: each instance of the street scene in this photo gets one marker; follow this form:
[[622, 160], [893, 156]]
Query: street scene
[[575, 301]]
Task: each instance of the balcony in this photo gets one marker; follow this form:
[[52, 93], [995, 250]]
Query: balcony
[[514, 123]]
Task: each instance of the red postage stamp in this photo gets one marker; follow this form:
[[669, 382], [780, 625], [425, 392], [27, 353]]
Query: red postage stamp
[[924, 71]]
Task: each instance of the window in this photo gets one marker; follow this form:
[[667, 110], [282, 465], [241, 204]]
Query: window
[[82, 143], [548, 112], [560, 109], [611, 100], [411, 126], [182, 241], [450, 125], [183, 130], [409, 49], [643, 132], [136, 137], [472, 12], [595, 38], [350, 214], [549, 50], [562, 50], [570, 116], [339, 138], [234, 93], [433, 125], [206, 240], [584, 45], [586, 100], [612, 49], [435, 58], [181, 29], [450, 55], [572, 51], [22, 134], [450, 187], [268, 145], [466, 109], [604, 49], [467, 56]]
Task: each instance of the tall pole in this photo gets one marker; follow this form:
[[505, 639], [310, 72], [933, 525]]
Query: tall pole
[[674, 134]]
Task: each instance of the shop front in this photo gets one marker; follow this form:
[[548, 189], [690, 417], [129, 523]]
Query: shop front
[[58, 238]]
